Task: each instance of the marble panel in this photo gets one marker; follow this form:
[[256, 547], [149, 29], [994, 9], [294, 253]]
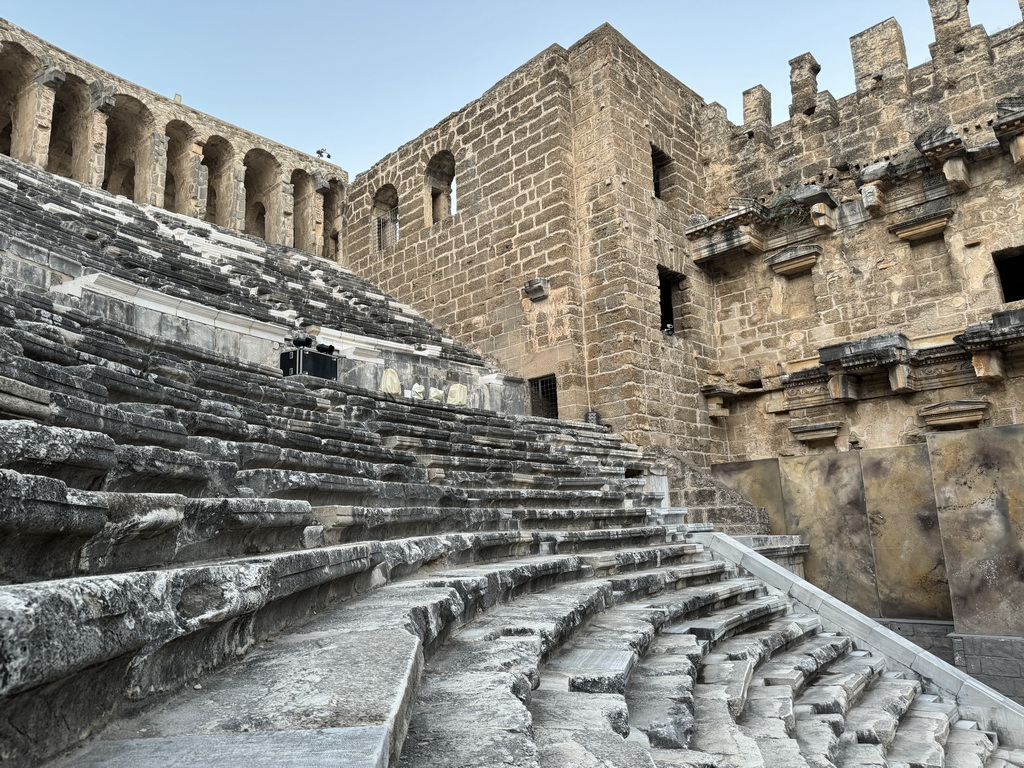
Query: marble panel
[[759, 482], [909, 564], [824, 502], [979, 492]]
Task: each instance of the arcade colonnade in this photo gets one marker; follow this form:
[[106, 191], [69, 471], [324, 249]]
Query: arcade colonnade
[[72, 119]]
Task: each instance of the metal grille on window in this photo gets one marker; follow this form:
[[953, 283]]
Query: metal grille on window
[[387, 229], [544, 397]]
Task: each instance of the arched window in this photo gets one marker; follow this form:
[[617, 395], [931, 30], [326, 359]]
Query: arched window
[[217, 155], [129, 125], [330, 234], [16, 65], [385, 216], [68, 154], [304, 212], [440, 182], [262, 195], [180, 169]]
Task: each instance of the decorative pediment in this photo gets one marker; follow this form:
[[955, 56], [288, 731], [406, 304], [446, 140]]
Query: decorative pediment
[[798, 260], [739, 231], [924, 226], [819, 432], [954, 413]]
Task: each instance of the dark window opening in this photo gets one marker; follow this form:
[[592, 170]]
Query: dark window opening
[[670, 295], [660, 166], [1010, 268], [385, 217], [440, 179], [544, 397]]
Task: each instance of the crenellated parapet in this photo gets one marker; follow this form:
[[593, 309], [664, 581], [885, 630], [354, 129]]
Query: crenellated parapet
[[892, 104]]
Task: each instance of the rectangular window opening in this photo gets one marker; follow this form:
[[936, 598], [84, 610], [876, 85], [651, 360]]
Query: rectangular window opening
[[544, 397], [1010, 268], [387, 229], [660, 165], [670, 299]]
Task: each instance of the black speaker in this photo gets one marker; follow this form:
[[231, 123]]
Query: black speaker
[[306, 362]]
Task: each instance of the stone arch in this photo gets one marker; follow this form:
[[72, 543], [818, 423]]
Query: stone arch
[[180, 178], [385, 217], [68, 153], [129, 135], [331, 234], [307, 221], [262, 195], [218, 158], [440, 187], [17, 67]]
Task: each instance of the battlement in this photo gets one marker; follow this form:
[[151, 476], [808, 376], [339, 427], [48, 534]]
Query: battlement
[[827, 139]]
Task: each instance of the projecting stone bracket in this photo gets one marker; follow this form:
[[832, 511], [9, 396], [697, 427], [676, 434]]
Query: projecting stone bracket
[[742, 230], [873, 198], [889, 352], [922, 227], [537, 289], [1009, 127], [820, 432], [821, 205], [945, 149], [954, 413], [797, 260], [844, 388]]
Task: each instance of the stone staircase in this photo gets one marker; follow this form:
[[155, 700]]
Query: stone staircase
[[207, 563]]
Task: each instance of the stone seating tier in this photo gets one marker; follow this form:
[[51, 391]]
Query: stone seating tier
[[201, 556], [47, 214]]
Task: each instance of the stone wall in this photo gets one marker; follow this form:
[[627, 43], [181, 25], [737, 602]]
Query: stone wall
[[79, 121], [874, 213], [511, 222], [928, 531], [553, 170]]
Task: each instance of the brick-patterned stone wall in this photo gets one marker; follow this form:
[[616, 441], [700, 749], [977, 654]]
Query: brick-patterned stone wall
[[644, 381], [514, 222], [996, 661]]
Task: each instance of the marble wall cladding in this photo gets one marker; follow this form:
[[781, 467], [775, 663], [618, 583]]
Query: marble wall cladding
[[979, 491], [759, 482], [909, 565], [824, 501]]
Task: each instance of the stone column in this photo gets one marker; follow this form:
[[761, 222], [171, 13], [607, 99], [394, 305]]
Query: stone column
[[197, 176], [280, 222], [88, 165], [33, 115], [151, 170], [232, 196]]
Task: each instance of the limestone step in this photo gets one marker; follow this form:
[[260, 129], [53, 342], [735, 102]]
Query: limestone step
[[969, 747], [875, 718], [1006, 758], [921, 735]]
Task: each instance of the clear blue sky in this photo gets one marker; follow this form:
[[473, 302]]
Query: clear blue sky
[[363, 78]]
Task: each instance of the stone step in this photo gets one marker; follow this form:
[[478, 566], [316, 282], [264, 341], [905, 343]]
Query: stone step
[[921, 736], [875, 718], [735, 619], [1006, 758], [718, 734], [795, 668], [969, 747], [631, 586], [840, 686]]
